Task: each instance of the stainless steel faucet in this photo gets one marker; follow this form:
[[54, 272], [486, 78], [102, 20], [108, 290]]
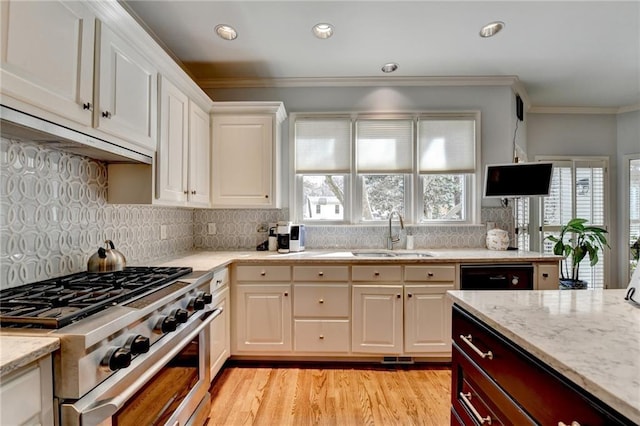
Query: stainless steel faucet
[[391, 239]]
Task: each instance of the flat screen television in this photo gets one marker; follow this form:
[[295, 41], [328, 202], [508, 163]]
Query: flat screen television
[[517, 180]]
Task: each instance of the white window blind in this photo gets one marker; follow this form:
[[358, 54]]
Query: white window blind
[[384, 146], [323, 146], [446, 145]]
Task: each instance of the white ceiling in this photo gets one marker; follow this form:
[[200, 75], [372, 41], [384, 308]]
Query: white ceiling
[[567, 54]]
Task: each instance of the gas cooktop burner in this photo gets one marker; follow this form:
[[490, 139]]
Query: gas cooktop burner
[[60, 301]]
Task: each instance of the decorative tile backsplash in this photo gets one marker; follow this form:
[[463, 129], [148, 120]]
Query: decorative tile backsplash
[[54, 215], [237, 229]]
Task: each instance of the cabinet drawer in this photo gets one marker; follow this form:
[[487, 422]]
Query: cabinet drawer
[[546, 396], [376, 273], [321, 273], [263, 273], [430, 273], [326, 300], [473, 391], [220, 279], [547, 277], [321, 336]]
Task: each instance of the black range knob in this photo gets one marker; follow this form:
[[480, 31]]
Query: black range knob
[[207, 297], [181, 316], [196, 304], [117, 358], [138, 344], [166, 325]]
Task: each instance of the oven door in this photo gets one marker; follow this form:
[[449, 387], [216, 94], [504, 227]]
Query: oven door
[[166, 386]]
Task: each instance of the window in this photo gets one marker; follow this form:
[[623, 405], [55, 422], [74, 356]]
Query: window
[[422, 166], [577, 190]]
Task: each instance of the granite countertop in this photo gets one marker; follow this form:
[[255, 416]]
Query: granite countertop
[[592, 337], [18, 351], [205, 260]]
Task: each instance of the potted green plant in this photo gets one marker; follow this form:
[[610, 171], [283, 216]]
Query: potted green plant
[[581, 240]]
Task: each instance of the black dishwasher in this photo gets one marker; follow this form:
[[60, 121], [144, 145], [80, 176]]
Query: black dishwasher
[[509, 276]]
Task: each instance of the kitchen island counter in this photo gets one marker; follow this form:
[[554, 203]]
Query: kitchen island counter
[[591, 337]]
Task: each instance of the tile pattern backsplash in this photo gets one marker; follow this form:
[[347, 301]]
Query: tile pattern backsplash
[[238, 229], [54, 215]]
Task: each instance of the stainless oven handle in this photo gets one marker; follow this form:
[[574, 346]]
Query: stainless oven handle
[[107, 408]]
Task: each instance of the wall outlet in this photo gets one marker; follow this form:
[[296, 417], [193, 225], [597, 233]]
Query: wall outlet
[[211, 228], [163, 232]]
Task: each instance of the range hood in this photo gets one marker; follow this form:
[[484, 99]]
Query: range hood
[[19, 125]]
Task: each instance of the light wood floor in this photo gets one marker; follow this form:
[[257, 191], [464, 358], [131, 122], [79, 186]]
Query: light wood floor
[[326, 395]]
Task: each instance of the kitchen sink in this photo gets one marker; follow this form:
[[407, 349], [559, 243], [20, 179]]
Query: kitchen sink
[[409, 255], [413, 255], [373, 254]]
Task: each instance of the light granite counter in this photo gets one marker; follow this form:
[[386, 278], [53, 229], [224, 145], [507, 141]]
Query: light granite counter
[[592, 337], [17, 351], [206, 260]]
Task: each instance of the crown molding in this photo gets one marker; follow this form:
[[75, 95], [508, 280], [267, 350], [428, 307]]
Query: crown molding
[[235, 83], [629, 108], [583, 110]]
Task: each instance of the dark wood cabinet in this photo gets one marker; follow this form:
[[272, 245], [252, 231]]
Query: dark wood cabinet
[[493, 377]]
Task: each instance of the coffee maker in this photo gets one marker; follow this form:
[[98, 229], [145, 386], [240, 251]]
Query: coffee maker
[[283, 229]]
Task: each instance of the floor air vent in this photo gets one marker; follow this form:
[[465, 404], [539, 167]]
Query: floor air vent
[[397, 360]]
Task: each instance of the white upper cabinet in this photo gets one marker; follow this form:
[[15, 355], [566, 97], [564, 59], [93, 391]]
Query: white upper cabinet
[[172, 158], [47, 56], [127, 91], [246, 154], [199, 156], [183, 154]]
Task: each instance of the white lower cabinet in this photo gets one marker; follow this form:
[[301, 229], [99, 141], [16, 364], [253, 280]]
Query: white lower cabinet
[[261, 297], [377, 319], [26, 395], [220, 346], [263, 317], [427, 319], [343, 310], [427, 310]]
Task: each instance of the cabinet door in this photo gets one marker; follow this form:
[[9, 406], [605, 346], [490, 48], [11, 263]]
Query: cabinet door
[[27, 395], [220, 334], [377, 319], [174, 139], [199, 156], [427, 319], [128, 91], [263, 318], [47, 56], [242, 161]]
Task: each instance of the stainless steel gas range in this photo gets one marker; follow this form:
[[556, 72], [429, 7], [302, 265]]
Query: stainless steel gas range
[[134, 344]]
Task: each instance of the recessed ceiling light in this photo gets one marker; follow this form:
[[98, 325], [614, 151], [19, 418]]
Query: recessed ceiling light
[[390, 67], [491, 29], [226, 32], [322, 30]]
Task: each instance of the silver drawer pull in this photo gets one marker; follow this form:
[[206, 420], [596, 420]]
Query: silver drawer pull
[[320, 274], [466, 397], [573, 423], [467, 340], [263, 273], [321, 301]]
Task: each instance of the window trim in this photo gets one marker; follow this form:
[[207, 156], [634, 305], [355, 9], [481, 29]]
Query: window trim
[[473, 181]]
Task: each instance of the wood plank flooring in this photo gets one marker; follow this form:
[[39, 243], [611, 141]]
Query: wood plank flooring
[[253, 394]]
